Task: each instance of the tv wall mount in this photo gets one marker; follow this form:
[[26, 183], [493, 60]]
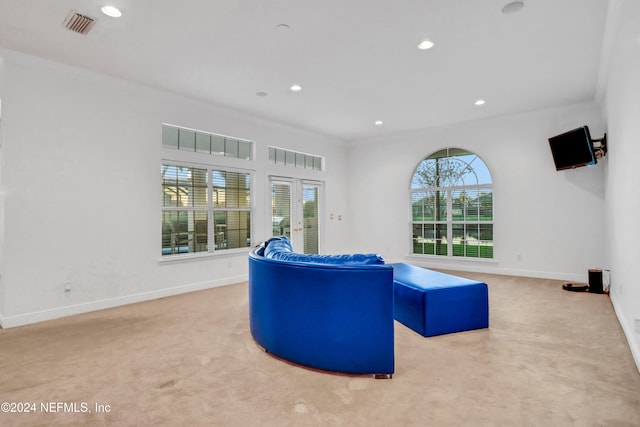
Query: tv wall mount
[[599, 147]]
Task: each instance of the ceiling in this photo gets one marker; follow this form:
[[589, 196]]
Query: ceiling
[[356, 60]]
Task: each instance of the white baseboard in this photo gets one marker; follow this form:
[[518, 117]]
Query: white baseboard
[[486, 266], [70, 310], [628, 333], [551, 275]]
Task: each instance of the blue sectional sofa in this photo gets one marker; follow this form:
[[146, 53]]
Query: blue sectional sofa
[[330, 312]]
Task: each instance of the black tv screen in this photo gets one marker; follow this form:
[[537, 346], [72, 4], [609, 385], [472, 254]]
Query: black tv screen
[[573, 149]]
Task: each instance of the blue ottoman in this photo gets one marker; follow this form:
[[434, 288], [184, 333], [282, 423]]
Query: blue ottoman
[[433, 303]]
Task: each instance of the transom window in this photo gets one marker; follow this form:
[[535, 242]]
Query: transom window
[[452, 206], [281, 156], [205, 142]]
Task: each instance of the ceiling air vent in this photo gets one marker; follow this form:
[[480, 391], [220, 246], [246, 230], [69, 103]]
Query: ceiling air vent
[[78, 22]]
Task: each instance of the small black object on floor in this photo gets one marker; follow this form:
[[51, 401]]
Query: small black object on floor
[[573, 288], [594, 286]]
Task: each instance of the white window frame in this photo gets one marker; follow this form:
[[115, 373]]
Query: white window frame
[[449, 221], [211, 210]]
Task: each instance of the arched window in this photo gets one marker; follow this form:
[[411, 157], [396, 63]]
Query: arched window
[[452, 205]]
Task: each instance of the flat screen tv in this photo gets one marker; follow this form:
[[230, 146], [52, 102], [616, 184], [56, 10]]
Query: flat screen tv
[[573, 149]]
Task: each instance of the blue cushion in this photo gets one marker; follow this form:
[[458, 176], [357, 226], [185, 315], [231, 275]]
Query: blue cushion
[[343, 259], [277, 244], [280, 248]]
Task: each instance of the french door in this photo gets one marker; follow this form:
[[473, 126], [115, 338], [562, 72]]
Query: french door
[[295, 212]]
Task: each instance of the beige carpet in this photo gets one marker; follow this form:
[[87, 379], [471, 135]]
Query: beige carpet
[[549, 358]]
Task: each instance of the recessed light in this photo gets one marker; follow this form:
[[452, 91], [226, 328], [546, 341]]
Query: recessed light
[[296, 88], [513, 7], [425, 44], [283, 27], [111, 11], [261, 94], [378, 122], [480, 102]]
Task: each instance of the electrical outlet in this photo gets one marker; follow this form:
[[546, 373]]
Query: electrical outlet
[[67, 287], [637, 325]]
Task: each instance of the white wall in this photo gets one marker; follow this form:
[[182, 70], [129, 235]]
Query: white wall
[[547, 223], [1, 191], [623, 179], [81, 188]]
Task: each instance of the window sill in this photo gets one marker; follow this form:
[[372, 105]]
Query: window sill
[[453, 259], [203, 255]]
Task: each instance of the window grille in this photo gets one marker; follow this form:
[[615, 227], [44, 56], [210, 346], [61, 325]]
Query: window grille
[[452, 206], [204, 209]]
